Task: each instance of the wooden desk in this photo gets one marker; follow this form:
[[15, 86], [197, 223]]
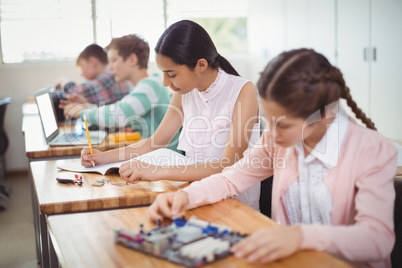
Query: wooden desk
[[37, 148], [86, 239], [399, 172], [54, 197], [51, 197]]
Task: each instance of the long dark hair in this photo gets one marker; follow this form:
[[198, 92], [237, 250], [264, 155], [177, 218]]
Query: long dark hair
[[304, 81], [185, 42]]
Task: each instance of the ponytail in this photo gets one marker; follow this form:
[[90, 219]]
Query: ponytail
[[225, 65]]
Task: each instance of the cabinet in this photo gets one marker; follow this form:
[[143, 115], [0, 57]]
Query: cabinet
[[369, 43], [278, 25], [310, 24], [362, 37]]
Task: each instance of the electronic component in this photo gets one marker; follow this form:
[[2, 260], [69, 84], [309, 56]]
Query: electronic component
[[191, 243]]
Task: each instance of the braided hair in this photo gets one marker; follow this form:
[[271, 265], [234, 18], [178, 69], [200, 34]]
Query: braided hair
[[304, 82]]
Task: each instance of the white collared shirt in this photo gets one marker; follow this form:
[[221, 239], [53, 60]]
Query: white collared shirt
[[308, 199], [208, 116]]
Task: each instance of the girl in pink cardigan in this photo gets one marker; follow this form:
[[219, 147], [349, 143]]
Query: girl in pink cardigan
[[333, 187]]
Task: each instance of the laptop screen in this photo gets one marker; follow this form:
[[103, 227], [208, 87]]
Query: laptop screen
[[46, 112]]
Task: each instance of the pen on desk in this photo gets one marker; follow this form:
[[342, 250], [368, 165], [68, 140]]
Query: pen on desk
[[89, 139]]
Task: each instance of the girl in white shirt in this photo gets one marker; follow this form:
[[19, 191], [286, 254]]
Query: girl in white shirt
[[216, 108]]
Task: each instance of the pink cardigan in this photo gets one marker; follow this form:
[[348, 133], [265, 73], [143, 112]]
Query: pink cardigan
[[362, 189]]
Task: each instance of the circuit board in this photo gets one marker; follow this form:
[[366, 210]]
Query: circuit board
[[191, 243]]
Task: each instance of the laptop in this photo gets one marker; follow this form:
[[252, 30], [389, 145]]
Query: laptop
[[55, 137]]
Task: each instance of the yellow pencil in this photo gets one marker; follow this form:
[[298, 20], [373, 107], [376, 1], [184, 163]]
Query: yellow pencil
[[89, 139]]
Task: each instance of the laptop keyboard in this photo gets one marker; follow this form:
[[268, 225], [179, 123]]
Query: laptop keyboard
[[70, 137]]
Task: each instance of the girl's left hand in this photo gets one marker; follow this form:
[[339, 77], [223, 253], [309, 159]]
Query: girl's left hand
[[134, 170], [269, 244]]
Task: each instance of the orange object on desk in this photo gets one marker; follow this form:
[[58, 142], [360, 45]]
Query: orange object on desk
[[127, 136]]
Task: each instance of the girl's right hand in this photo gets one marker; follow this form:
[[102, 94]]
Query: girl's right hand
[[168, 205], [87, 158]]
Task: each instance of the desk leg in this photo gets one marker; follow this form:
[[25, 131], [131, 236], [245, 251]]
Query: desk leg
[[35, 212], [54, 262], [45, 261]]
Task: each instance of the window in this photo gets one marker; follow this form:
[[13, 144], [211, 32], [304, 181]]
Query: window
[[56, 30], [30, 32], [120, 17], [224, 20]]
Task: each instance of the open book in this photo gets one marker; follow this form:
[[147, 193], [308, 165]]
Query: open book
[[159, 157]]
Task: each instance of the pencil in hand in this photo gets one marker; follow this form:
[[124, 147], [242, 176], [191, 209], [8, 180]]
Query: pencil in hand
[[89, 139]]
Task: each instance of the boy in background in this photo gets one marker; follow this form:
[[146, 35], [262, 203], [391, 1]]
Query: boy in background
[[101, 87], [144, 107]]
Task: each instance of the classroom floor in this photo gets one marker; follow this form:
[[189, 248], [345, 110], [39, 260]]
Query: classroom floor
[[17, 240]]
